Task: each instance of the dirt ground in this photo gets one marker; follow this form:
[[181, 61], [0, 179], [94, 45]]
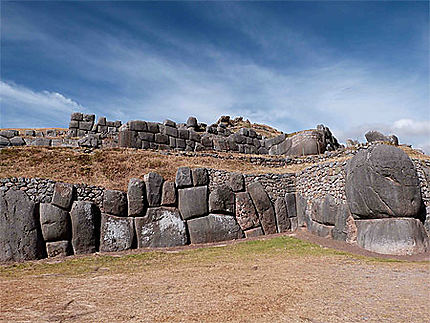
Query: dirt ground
[[280, 279]]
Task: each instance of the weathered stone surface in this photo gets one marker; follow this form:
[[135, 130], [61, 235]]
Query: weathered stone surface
[[127, 138], [115, 202], [58, 249], [116, 233], [290, 200], [89, 118], [302, 206], [341, 229], [256, 232], [236, 182], [85, 218], [20, 238], [169, 123], [9, 133], [169, 194], [4, 142], [193, 201], [154, 185], [191, 122], [319, 229], [294, 223], [55, 222], [246, 214], [264, 207], [136, 197], [372, 136], [304, 143], [17, 141], [382, 182], [396, 236], [161, 227], [221, 200], [146, 136], [324, 210], [63, 195], [170, 131], [200, 176], [138, 125], [183, 177], [161, 138], [283, 223], [213, 228], [40, 142]]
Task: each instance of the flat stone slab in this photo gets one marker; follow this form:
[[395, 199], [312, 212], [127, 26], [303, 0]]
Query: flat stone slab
[[193, 201], [214, 228], [161, 227], [116, 233], [395, 236], [20, 237]]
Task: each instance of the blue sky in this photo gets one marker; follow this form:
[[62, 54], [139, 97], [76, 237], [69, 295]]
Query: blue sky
[[353, 66]]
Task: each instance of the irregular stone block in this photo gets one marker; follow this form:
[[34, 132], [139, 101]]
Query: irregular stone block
[[221, 200], [294, 223], [264, 207], [101, 121], [256, 232], [382, 182], [200, 176], [85, 125], [191, 122], [115, 202], [77, 116], [207, 141], [319, 229], [246, 214], [169, 123], [30, 133], [324, 210], [20, 238], [185, 134], [180, 143], [161, 138], [193, 201], [89, 118], [290, 200], [214, 228], [63, 195], [74, 124], [138, 125], [168, 194], [136, 197], [395, 236], [220, 144], [41, 142], [172, 142], [116, 233], [161, 227], [341, 229], [85, 217], [302, 206], [55, 222], [236, 182], [194, 136], [4, 142], [147, 136], [281, 215], [183, 177], [170, 131], [17, 141], [127, 138], [152, 127], [58, 249], [154, 185]]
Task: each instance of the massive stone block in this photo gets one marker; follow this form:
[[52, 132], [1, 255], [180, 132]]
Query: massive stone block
[[127, 138], [264, 207], [246, 214], [256, 232], [236, 182], [193, 201], [395, 236], [136, 197], [281, 215], [382, 182], [302, 205], [324, 210], [183, 177], [221, 200], [200, 176], [20, 237], [161, 227], [319, 229], [85, 219], [115, 202], [58, 249], [116, 233], [214, 228], [55, 222], [290, 200], [169, 194], [154, 185], [63, 195]]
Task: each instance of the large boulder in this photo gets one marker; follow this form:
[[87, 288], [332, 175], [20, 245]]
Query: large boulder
[[55, 222], [264, 207], [116, 233], [20, 237], [154, 185], [63, 195], [193, 201], [310, 142], [282, 215], [183, 177], [58, 248], [372, 136], [169, 194], [214, 228], [85, 220], [382, 182], [246, 214], [161, 227], [115, 202], [200, 176], [399, 236], [221, 200], [136, 197]]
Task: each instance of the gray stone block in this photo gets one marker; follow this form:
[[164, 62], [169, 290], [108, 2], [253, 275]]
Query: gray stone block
[[183, 177], [256, 232], [17, 141], [115, 202], [147, 136], [152, 127], [170, 131], [116, 233], [154, 185], [180, 143], [193, 201], [74, 124], [169, 123], [200, 176], [194, 136], [283, 223], [246, 214], [63, 195], [101, 121], [30, 133], [4, 142], [207, 141], [77, 116], [395, 236], [172, 142], [191, 122], [84, 216], [55, 222], [59, 249], [138, 125], [221, 200], [127, 139], [264, 207], [87, 126], [185, 134], [236, 182], [214, 228], [20, 238], [169, 194], [290, 200], [89, 118], [136, 197], [319, 229], [161, 139], [161, 227]]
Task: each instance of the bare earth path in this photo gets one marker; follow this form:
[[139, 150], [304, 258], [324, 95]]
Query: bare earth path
[[281, 279]]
